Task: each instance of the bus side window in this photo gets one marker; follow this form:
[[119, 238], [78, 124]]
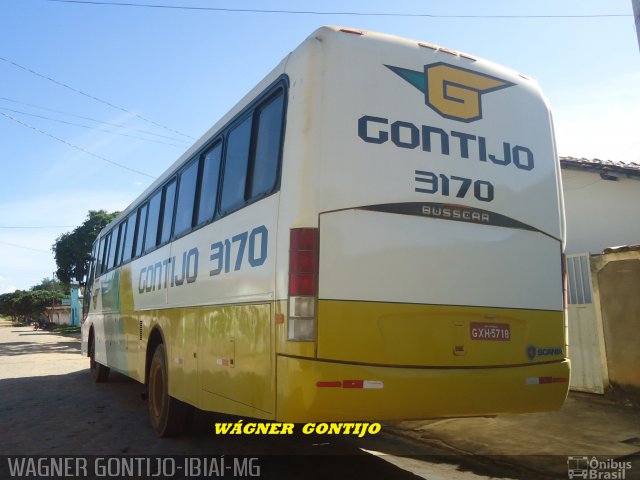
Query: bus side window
[[99, 258], [105, 255], [113, 246], [92, 266], [168, 202], [153, 217], [267, 150], [236, 161], [209, 183], [122, 237], [88, 287], [186, 199], [128, 241], [140, 228], [118, 234]]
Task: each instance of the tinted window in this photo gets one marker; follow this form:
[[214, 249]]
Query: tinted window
[[235, 166], [151, 233], [128, 242], [92, 265], [122, 238], [100, 256], [106, 261], [186, 198], [118, 234], [168, 201], [142, 222], [209, 187], [267, 154]]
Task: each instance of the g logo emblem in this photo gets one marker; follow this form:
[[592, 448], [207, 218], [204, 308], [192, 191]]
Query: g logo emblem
[[453, 92]]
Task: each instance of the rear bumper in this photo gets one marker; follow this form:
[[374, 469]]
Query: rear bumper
[[395, 393]]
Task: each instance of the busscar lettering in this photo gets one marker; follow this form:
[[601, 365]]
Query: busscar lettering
[[403, 134], [464, 214]]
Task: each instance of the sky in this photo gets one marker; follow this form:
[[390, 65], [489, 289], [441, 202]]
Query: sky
[[137, 86]]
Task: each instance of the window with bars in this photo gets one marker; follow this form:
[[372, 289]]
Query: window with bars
[[579, 279]]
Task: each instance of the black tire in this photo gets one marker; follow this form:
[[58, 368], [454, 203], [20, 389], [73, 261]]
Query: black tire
[[168, 416], [99, 373]]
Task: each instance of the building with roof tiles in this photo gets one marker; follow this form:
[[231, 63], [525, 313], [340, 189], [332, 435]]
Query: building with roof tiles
[[603, 274], [601, 204]]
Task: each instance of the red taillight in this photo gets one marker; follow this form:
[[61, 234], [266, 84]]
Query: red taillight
[[303, 262], [303, 283], [304, 239]]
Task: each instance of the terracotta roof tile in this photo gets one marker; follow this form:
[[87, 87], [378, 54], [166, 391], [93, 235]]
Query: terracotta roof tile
[[606, 168]]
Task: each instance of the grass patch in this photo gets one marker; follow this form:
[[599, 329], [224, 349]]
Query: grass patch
[[65, 329]]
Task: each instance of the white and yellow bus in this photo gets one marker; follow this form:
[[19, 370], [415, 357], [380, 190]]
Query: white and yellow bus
[[374, 232]]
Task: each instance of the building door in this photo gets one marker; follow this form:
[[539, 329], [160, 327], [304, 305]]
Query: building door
[[586, 338]]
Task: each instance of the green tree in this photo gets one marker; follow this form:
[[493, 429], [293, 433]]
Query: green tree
[[35, 302], [72, 250], [9, 304], [51, 285], [24, 305]]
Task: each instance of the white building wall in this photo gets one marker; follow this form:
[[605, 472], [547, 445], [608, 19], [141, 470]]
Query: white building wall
[[600, 213]]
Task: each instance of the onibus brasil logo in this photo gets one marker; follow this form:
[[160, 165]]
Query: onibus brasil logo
[[453, 92]]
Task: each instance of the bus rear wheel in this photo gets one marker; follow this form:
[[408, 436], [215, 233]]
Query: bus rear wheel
[[167, 414], [99, 372]]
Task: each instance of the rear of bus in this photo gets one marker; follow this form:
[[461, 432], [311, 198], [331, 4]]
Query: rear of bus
[[420, 236]]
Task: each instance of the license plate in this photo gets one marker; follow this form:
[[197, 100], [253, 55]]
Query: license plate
[[490, 331]]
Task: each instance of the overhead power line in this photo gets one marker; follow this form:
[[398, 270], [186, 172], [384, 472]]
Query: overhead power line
[[88, 127], [315, 12], [24, 124], [93, 97], [22, 246], [39, 226], [101, 122]]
